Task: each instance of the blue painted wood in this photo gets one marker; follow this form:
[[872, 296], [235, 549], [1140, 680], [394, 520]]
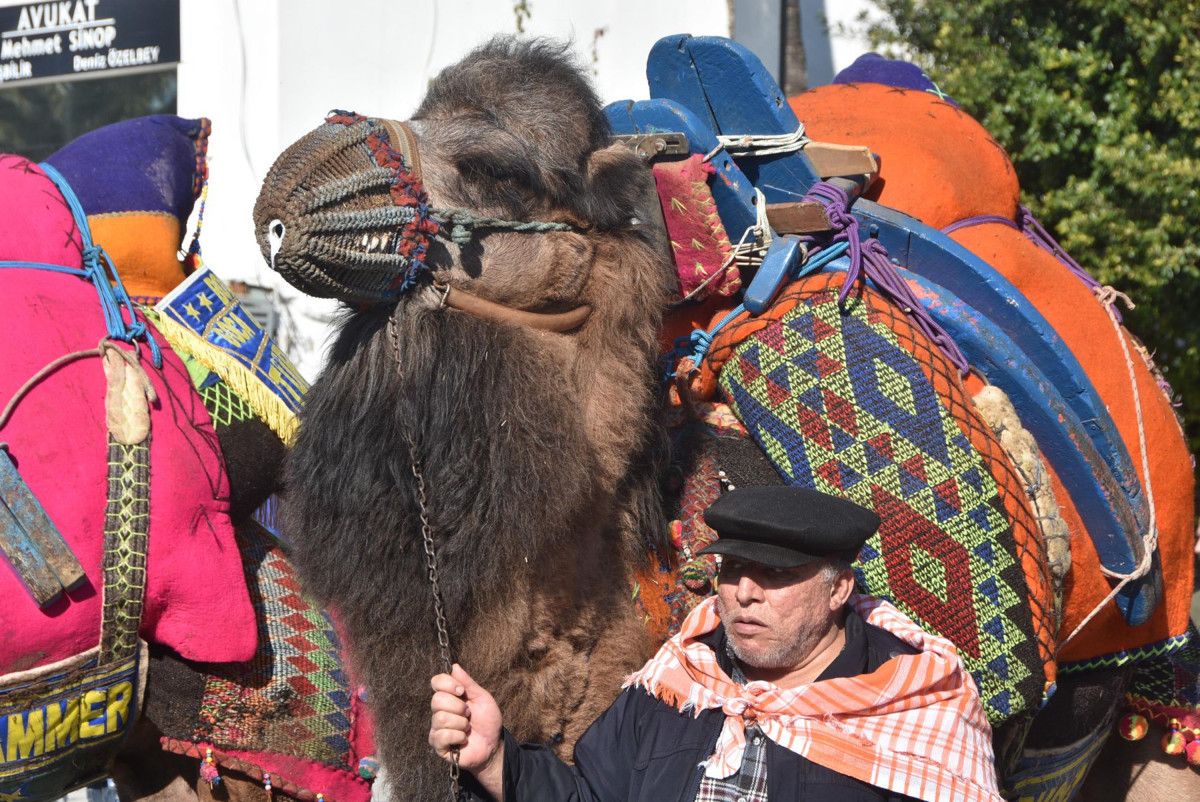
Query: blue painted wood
[[1111, 521], [709, 81], [38, 527], [732, 190], [782, 256], [26, 558], [934, 256], [728, 87]]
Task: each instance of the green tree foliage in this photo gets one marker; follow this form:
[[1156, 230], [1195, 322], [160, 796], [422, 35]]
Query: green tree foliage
[[1098, 104]]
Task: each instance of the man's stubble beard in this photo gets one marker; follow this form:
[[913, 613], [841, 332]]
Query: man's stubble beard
[[786, 654]]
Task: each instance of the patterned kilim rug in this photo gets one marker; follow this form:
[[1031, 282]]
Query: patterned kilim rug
[[290, 711], [859, 404], [298, 669]]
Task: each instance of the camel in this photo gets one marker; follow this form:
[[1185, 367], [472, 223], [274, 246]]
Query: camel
[[530, 453]]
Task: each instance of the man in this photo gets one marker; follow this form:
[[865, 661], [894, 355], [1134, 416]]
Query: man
[[784, 686]]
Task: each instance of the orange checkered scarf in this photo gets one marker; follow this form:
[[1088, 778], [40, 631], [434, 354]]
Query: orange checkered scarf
[[915, 726]]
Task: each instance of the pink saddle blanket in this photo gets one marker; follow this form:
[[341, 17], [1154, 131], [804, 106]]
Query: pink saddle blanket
[[196, 597]]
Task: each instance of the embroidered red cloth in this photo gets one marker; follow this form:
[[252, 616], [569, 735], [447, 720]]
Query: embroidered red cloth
[[915, 726], [699, 242]]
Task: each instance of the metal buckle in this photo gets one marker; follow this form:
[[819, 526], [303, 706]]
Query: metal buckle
[[653, 146]]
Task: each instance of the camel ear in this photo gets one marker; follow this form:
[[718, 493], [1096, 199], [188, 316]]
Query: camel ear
[[621, 193]]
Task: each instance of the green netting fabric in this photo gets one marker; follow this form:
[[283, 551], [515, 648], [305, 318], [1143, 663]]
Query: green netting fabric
[[223, 404]]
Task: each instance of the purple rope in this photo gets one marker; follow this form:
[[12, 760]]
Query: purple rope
[[1031, 227], [978, 220], [869, 259], [1038, 233]]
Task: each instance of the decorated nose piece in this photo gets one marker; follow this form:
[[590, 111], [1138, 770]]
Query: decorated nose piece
[[343, 213]]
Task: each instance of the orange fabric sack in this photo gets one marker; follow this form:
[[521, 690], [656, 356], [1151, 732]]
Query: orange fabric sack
[[936, 163], [1081, 321]]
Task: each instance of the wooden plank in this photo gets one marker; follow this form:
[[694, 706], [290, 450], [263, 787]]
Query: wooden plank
[[797, 217], [731, 189], [41, 531], [830, 160], [24, 556]]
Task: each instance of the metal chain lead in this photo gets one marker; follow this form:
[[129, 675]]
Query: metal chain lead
[[439, 611]]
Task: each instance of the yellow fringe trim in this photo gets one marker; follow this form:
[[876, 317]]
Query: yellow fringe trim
[[243, 381]]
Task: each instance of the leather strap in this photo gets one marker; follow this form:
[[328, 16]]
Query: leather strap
[[402, 137], [484, 309]]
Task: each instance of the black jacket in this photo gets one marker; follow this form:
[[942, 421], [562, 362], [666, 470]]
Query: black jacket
[[643, 750]]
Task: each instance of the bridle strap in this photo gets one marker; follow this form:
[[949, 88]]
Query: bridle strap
[[402, 136], [561, 322]]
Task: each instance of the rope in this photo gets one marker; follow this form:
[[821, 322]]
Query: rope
[[1109, 296], [1032, 228], [979, 220], [760, 144], [463, 223], [99, 269], [869, 259], [55, 364], [695, 346]]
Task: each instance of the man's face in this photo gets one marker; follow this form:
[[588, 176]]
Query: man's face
[[775, 617]]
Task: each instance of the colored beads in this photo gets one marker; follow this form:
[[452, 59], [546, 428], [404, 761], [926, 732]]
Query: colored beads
[[208, 770], [696, 577], [1134, 727], [1193, 752]]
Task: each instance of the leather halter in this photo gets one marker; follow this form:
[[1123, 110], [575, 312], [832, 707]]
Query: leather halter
[[561, 322], [463, 301]]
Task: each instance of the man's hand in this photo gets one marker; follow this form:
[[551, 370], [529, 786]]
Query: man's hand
[[466, 718]]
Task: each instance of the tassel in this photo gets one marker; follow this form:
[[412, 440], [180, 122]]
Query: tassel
[[241, 379], [267, 784], [208, 770], [676, 530], [1133, 727], [1173, 743], [1193, 752]]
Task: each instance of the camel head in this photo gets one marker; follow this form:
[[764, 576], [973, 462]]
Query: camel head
[[513, 134], [504, 269]]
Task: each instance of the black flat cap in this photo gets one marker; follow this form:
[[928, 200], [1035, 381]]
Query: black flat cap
[[784, 527]]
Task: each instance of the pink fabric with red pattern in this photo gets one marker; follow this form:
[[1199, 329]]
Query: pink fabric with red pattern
[[699, 242], [196, 597]]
